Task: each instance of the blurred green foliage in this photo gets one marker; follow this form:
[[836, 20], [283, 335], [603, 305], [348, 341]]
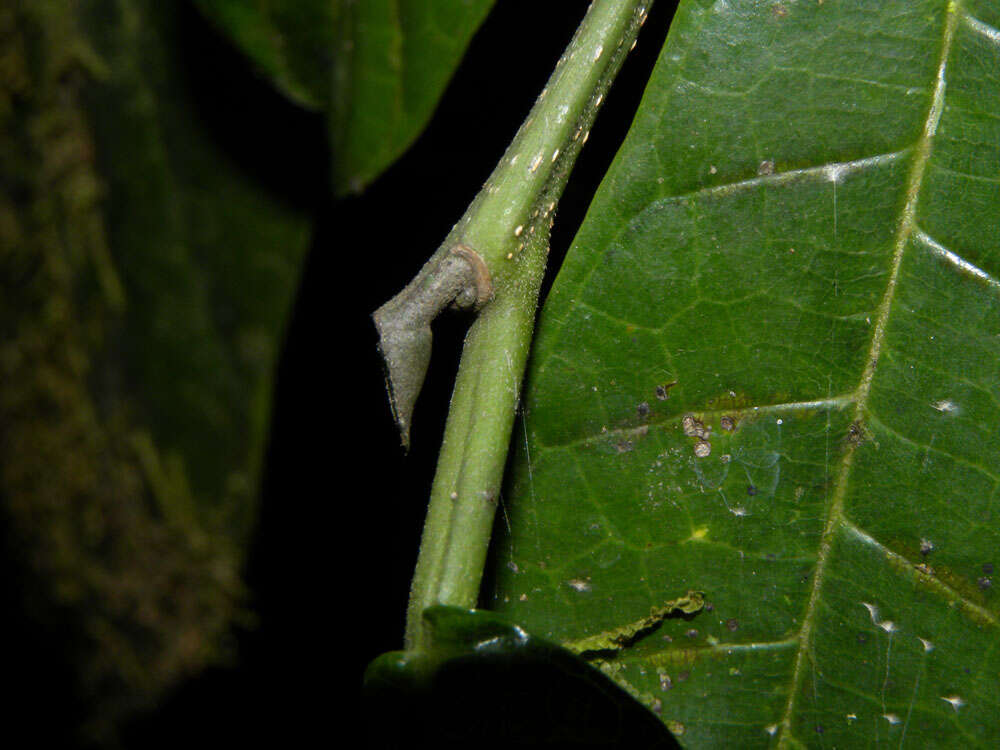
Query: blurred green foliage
[[377, 68], [145, 282]]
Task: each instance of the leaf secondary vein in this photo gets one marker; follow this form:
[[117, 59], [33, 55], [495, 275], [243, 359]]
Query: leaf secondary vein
[[834, 402], [983, 28], [835, 518], [668, 657], [955, 259], [977, 610], [960, 460], [829, 171]]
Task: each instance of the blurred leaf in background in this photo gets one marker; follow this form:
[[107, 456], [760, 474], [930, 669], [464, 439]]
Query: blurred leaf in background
[[377, 68], [145, 283]]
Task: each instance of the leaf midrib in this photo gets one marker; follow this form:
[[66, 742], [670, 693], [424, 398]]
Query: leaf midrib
[[907, 223]]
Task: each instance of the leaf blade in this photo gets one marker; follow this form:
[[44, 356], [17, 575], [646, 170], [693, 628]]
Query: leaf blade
[[704, 380]]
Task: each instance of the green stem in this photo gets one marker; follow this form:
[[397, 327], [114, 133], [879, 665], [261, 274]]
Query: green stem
[[508, 225]]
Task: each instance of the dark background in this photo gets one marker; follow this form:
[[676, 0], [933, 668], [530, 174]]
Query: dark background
[[343, 507]]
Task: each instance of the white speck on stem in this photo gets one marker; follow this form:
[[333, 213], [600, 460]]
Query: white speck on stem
[[598, 52], [891, 718], [579, 585], [928, 646], [555, 154], [535, 162], [518, 229]]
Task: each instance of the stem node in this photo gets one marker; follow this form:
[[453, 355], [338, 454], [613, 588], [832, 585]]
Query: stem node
[[504, 216], [458, 278]]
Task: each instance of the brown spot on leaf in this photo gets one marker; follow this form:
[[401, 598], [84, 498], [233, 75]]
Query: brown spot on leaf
[[694, 427], [663, 391]]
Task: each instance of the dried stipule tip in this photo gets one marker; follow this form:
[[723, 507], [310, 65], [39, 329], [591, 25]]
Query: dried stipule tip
[[459, 277]]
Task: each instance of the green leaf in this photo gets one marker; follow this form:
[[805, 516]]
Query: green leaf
[[146, 281], [768, 371], [290, 43], [377, 67], [208, 257]]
